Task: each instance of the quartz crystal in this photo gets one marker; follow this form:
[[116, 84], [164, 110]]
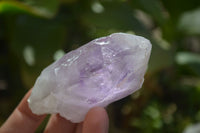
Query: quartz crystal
[[96, 74]]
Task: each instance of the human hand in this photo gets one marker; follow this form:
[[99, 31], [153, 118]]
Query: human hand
[[22, 120]]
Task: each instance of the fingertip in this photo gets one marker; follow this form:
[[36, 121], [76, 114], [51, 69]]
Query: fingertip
[[21, 116], [97, 114], [23, 107], [96, 121]]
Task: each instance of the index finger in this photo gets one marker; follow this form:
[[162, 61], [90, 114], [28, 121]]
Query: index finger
[[22, 120]]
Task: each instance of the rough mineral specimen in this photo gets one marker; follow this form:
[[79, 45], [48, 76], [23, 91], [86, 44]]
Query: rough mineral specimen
[[96, 74]]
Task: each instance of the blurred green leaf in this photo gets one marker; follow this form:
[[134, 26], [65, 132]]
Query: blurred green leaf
[[40, 38], [67, 1], [42, 8], [192, 128], [45, 6], [177, 7], [183, 58], [152, 7], [189, 22], [115, 17], [160, 58]]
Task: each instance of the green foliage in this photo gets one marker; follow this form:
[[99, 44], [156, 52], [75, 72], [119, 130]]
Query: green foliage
[[41, 8], [185, 22], [33, 32]]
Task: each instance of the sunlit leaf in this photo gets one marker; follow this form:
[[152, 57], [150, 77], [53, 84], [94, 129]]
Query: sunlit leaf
[[189, 22], [43, 8], [48, 7], [183, 58], [192, 128], [152, 7]]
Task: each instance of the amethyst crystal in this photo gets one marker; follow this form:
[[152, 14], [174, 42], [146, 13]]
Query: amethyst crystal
[[96, 74]]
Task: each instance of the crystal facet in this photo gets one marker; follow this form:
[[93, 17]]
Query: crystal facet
[[96, 74]]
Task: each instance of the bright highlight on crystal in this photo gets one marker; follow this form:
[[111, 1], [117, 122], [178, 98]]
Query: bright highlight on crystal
[[96, 74]]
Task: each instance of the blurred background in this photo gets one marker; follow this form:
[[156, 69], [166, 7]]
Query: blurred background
[[34, 33]]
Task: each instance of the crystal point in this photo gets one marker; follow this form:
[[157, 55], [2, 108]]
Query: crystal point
[[96, 74]]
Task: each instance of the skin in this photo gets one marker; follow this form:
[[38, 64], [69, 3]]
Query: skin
[[22, 120]]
